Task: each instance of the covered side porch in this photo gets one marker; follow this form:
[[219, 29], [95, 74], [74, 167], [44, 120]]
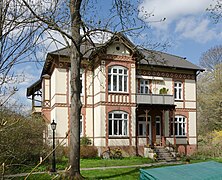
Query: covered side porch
[[154, 125]]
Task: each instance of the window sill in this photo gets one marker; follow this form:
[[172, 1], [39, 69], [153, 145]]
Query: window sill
[[181, 137], [178, 100], [115, 92], [119, 137]]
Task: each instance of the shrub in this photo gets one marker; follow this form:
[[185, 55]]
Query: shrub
[[62, 153], [88, 152], [21, 138], [85, 141]]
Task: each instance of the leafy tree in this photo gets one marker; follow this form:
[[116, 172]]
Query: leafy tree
[[209, 100], [211, 58]]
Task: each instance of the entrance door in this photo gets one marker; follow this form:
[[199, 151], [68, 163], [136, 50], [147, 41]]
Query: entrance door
[[142, 127], [158, 127]]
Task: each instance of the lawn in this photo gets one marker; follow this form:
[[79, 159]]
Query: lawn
[[126, 173], [92, 163], [89, 163], [119, 173]]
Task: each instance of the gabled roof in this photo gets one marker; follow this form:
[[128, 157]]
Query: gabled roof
[[89, 51], [143, 56], [157, 58]]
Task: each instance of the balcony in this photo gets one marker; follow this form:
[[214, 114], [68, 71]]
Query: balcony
[[162, 99], [36, 109]]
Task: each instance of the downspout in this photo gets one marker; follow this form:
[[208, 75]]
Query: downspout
[[136, 140], [198, 72], [93, 113]]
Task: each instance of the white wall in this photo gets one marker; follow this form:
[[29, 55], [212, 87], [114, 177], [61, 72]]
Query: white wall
[[112, 49], [190, 90], [192, 127], [59, 86]]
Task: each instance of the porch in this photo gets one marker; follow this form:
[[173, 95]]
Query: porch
[[155, 125]]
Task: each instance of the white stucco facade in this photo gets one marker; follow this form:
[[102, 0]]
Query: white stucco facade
[[134, 96]]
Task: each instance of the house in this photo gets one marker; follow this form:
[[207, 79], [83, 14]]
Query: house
[[131, 97]]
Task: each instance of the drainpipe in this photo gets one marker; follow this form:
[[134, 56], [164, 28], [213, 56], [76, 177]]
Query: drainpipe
[[93, 113]]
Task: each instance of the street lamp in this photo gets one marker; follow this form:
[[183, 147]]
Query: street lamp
[[53, 126]]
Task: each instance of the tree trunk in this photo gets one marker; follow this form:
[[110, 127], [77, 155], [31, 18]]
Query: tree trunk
[[75, 58], [1, 28]]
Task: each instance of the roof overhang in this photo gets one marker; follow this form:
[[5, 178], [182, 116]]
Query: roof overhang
[[34, 87]]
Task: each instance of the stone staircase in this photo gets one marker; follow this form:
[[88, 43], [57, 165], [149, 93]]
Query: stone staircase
[[164, 154]]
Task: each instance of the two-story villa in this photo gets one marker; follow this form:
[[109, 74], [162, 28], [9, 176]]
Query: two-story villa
[[131, 97]]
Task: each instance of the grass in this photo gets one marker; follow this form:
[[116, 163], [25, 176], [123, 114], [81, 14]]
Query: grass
[[98, 162], [88, 163], [120, 173], [84, 163]]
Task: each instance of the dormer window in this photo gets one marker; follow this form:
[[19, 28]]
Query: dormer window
[[117, 79]]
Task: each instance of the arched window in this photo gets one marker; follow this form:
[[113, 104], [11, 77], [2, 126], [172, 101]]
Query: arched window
[[118, 121], [178, 90], [117, 79], [180, 125]]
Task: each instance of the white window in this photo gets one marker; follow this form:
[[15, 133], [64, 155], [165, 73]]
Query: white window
[[158, 126], [142, 125], [118, 123], [82, 80], [178, 91], [180, 126], [81, 125], [117, 79], [144, 86]]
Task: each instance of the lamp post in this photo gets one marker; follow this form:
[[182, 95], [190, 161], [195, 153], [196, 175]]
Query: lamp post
[[53, 126]]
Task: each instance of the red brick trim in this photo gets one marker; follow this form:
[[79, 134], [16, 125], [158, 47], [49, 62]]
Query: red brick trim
[[172, 75]]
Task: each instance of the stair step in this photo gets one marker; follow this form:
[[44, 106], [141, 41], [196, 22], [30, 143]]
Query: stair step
[[163, 154]]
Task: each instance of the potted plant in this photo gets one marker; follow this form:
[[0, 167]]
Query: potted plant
[[163, 90]]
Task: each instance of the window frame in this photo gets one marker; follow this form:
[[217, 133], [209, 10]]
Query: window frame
[[81, 126], [144, 86], [178, 90], [158, 122], [143, 123], [115, 121], [120, 77], [82, 81], [180, 125]]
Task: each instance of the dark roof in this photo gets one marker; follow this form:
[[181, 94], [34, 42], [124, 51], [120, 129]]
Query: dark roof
[[157, 58], [149, 57], [85, 49], [33, 88]]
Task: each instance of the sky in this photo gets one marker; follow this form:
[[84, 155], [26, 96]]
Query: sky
[[187, 28]]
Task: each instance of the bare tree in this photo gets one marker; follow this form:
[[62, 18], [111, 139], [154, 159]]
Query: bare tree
[[18, 38], [211, 58], [70, 18], [216, 11]]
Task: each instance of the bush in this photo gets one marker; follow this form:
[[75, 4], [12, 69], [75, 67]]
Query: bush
[[62, 153], [88, 152], [21, 138], [85, 141]]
